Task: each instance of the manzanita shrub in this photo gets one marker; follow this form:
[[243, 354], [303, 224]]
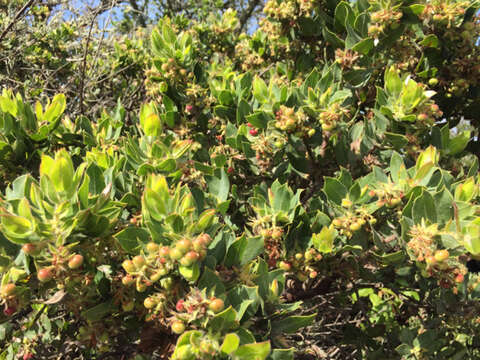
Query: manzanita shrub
[[337, 144]]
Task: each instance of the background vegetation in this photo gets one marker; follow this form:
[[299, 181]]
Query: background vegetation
[[289, 179]]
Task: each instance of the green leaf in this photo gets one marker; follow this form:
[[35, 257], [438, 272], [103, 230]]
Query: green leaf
[[219, 185], [96, 313], [131, 237], [260, 90], [323, 241], [334, 190], [257, 351], [258, 119], [424, 208], [243, 250], [190, 273], [230, 343], [291, 324]]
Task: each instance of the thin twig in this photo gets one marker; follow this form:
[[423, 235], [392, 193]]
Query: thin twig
[[16, 18]]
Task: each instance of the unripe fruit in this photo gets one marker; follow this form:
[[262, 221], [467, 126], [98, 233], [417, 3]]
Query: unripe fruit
[[433, 81], [441, 255], [216, 305], [166, 283], [430, 260], [190, 258], [30, 249], [422, 117], [206, 239], [141, 287], [149, 303], [152, 247], [128, 280], [198, 244], [75, 262], [164, 251], [139, 262], [346, 203], [184, 245], [128, 306], [129, 266], [313, 274], [284, 266], [176, 254], [44, 275], [178, 327], [253, 132], [355, 226], [8, 289], [337, 222], [249, 125], [277, 234]]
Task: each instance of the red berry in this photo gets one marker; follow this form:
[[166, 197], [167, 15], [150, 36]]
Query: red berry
[[253, 132], [27, 356], [230, 170], [189, 108], [44, 275], [216, 305], [75, 262], [9, 311], [249, 125], [180, 305]]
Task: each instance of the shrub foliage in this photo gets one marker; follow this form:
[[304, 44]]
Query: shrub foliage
[[192, 191]]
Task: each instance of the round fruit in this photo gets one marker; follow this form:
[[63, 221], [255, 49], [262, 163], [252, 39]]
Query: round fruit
[[128, 280], [152, 247], [253, 132], [128, 306], [355, 226], [44, 275], [139, 261], [176, 254], [430, 260], [180, 306], [27, 356], [75, 262], [441, 255], [129, 266], [216, 305], [149, 303], [337, 222], [141, 287], [164, 251], [8, 289], [178, 327], [30, 249], [184, 245], [189, 108], [284, 266], [190, 258]]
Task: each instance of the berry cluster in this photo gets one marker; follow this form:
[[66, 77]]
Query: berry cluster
[[383, 20], [330, 117], [353, 219], [287, 119], [303, 265], [194, 309], [144, 271]]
